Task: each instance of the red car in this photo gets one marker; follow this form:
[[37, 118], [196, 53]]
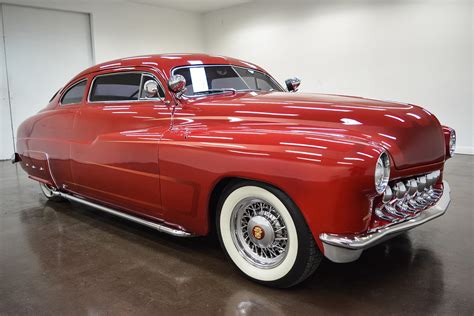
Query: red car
[[188, 144]]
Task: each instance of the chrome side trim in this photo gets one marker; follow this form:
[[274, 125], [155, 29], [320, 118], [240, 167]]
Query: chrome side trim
[[159, 227], [347, 248]]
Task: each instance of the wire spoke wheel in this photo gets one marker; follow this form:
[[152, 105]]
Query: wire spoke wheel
[[260, 233], [265, 235]]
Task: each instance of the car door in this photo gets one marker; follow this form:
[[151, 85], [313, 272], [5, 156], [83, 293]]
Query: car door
[[115, 157]]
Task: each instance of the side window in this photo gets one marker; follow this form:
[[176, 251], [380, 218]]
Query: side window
[[248, 76], [74, 94], [144, 95], [116, 87]]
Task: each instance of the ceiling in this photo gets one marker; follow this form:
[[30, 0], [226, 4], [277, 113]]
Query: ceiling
[[199, 6], [192, 5]]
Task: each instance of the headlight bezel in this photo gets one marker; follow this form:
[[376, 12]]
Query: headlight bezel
[[382, 172]]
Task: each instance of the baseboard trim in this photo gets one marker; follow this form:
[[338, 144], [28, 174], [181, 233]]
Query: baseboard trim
[[465, 150]]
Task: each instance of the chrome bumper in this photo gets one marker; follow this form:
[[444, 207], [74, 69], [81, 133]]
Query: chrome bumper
[[347, 248]]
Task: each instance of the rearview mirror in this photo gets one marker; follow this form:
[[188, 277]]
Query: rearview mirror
[[292, 84], [177, 85]]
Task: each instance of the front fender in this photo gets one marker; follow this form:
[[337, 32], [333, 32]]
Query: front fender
[[329, 178]]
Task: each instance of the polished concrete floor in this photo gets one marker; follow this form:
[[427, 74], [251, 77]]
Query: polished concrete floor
[[63, 258]]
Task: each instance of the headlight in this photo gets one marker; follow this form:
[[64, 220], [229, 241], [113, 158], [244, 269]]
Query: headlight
[[452, 142], [382, 172]]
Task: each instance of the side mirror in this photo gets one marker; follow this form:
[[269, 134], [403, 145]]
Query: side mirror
[[151, 89], [292, 84], [177, 85]]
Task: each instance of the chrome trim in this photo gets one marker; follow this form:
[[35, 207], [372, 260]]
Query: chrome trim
[[47, 191], [270, 249], [159, 227], [421, 181], [452, 147], [387, 195], [139, 99], [292, 84], [177, 85], [409, 199], [227, 65], [384, 157], [347, 248]]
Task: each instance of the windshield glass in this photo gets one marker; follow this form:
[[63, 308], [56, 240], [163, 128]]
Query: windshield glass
[[207, 79]]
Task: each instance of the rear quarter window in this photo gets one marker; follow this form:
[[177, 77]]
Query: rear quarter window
[[74, 94]]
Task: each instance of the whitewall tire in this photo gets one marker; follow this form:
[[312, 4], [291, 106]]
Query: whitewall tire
[[263, 232]]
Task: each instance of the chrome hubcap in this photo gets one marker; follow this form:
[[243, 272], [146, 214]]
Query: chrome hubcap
[[259, 233]]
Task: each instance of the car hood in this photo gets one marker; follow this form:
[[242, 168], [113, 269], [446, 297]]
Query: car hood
[[412, 135]]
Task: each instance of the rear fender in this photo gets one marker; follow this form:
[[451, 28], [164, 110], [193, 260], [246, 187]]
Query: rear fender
[[37, 166]]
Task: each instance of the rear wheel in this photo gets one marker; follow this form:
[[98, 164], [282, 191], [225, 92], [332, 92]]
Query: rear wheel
[[265, 235], [48, 192]]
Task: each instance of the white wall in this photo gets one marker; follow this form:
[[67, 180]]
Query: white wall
[[472, 71], [118, 30], [122, 29], [46, 54], [6, 140], [413, 51]]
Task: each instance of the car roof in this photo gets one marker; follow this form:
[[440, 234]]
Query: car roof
[[166, 62]]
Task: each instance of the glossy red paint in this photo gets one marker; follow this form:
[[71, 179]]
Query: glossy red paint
[[145, 158]]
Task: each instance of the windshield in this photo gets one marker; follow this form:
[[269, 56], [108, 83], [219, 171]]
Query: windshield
[[207, 79]]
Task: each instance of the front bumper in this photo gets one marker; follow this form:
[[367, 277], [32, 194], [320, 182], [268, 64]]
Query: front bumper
[[347, 248]]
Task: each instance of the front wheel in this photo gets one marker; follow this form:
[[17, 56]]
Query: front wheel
[[264, 234]]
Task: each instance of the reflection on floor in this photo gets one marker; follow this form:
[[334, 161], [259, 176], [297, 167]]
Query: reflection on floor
[[66, 258]]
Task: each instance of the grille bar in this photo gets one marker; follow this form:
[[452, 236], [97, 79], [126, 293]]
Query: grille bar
[[408, 198]]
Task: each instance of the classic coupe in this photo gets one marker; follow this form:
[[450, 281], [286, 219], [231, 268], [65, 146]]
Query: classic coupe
[[191, 144]]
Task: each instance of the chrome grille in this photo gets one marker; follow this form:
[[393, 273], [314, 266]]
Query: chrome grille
[[407, 198]]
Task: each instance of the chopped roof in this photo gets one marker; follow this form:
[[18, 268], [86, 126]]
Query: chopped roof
[[166, 62]]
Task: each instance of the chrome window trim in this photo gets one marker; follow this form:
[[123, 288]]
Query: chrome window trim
[[54, 95], [68, 89], [142, 73], [228, 65]]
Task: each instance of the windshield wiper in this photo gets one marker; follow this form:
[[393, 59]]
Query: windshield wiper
[[212, 91]]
